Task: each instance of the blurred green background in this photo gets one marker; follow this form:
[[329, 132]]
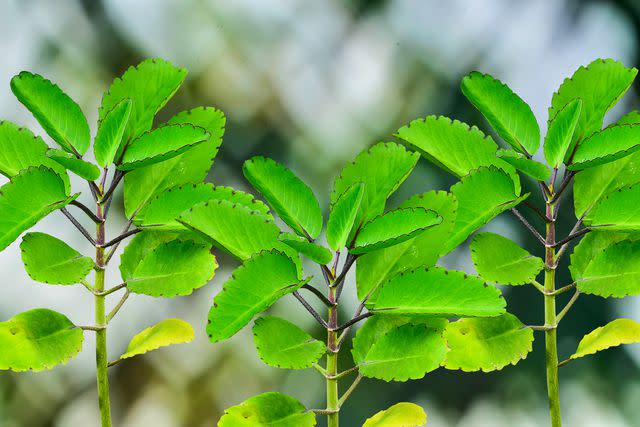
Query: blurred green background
[[311, 83]]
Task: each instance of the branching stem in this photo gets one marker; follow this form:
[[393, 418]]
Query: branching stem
[[310, 309], [529, 227], [79, 226]]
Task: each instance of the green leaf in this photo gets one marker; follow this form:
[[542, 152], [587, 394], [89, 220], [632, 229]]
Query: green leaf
[[613, 334], [140, 246], [57, 113], [591, 246], [481, 196], [252, 288], [282, 344], [377, 326], [529, 167], [377, 267], [165, 333], [149, 85], [161, 144], [438, 292], [614, 272], [314, 252], [487, 344], [499, 260], [381, 168], [612, 143], [82, 168], [172, 268], [268, 410], [233, 228], [561, 128], [452, 145], [343, 214], [30, 196], [191, 167], [406, 352], [394, 227], [401, 414], [619, 210], [507, 113], [287, 194], [590, 185], [599, 85], [110, 132], [37, 340], [50, 260], [161, 213]]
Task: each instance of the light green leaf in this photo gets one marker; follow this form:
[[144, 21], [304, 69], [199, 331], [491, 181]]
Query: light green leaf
[[50, 260], [561, 128], [499, 260], [599, 85], [161, 212], [394, 227], [487, 344], [527, 166], [438, 292], [409, 351], [377, 267], [591, 246], [452, 145], [30, 196], [282, 344], [110, 132], [343, 214], [401, 414], [140, 246], [252, 288], [149, 85], [21, 149], [82, 168], [161, 144], [314, 252], [37, 340], [268, 410], [233, 228], [376, 327], [507, 113], [172, 268], [381, 169], [613, 334], [191, 167], [165, 333], [592, 184], [612, 143], [614, 272], [57, 113], [287, 194], [619, 210], [481, 196]]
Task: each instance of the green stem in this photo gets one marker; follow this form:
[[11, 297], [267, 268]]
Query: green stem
[[332, 363], [551, 321], [101, 335]]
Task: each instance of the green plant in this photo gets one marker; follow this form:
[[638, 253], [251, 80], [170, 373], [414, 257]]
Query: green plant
[[405, 300], [149, 162], [604, 166]]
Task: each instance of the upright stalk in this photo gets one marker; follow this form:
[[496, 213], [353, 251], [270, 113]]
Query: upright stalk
[[101, 322], [332, 362], [550, 317]]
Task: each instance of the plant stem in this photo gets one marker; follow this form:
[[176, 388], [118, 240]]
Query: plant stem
[[332, 362], [101, 321], [551, 321]]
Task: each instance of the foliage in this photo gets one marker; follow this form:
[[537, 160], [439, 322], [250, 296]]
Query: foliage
[[406, 301], [603, 162], [157, 262]]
